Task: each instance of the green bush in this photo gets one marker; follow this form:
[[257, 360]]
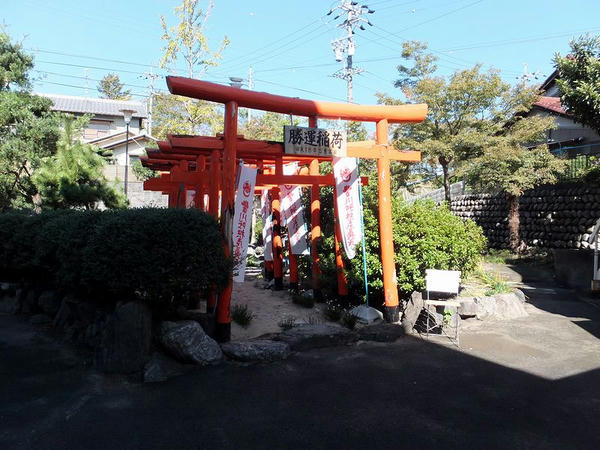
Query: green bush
[[426, 236], [163, 256], [302, 300]]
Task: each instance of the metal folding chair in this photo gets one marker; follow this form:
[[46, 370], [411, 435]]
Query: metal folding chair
[[447, 282]]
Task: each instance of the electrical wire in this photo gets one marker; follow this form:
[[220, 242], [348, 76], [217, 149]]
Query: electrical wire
[[301, 90]]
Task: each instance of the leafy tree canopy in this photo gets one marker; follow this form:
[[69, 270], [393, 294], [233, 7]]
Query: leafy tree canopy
[[187, 41], [28, 129], [579, 80], [468, 112], [111, 87]]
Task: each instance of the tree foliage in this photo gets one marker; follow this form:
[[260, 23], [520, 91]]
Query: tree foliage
[[187, 41], [514, 169], [468, 112], [173, 114], [73, 177], [110, 87], [267, 126], [14, 64], [28, 129], [508, 166], [579, 80]]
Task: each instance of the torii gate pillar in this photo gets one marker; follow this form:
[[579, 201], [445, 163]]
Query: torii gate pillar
[[386, 235]]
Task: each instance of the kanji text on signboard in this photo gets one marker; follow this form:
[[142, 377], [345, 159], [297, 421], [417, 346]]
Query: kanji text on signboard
[[314, 141]]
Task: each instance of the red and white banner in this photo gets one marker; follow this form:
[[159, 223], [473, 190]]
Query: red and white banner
[[267, 231], [242, 219], [292, 213], [345, 172]]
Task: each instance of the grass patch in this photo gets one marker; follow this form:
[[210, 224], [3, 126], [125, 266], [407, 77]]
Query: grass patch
[[287, 323], [349, 320], [498, 256], [241, 315], [494, 283], [333, 312], [313, 319], [305, 301]]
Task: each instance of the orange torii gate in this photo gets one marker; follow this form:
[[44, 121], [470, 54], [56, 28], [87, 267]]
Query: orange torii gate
[[183, 175], [382, 115]]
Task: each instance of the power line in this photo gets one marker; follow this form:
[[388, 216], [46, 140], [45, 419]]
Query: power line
[[278, 41], [440, 16], [95, 58], [91, 67], [271, 56], [299, 89], [518, 41], [77, 87], [90, 79]]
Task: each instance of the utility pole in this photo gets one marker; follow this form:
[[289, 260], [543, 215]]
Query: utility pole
[[150, 76], [528, 76], [352, 13], [87, 82]]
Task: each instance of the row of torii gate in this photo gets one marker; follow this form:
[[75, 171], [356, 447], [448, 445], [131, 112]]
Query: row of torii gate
[[207, 165]]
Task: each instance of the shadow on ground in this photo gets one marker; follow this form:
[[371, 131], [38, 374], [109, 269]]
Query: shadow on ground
[[409, 394]]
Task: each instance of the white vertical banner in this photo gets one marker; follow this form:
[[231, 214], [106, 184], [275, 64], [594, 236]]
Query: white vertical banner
[[242, 220], [267, 231], [189, 198], [345, 171], [292, 213]]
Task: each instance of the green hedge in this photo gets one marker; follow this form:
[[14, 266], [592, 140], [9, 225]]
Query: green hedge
[[161, 255]]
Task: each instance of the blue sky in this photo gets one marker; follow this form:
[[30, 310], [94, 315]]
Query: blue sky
[[288, 42]]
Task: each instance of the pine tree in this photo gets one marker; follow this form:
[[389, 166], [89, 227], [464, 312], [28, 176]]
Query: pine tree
[[73, 177]]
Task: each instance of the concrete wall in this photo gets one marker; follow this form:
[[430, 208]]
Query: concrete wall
[[574, 268]]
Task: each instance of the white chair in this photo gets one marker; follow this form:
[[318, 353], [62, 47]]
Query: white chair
[[447, 282]]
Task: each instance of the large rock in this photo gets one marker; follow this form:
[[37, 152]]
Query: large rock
[[308, 336], [161, 368], [40, 319], [486, 307], [49, 303], [126, 339], [65, 315], [412, 311], [500, 307], [468, 307], [206, 320], [187, 341], [259, 350], [29, 302], [9, 304], [509, 306], [381, 332]]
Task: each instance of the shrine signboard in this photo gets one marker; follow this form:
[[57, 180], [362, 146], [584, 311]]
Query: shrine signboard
[[314, 141]]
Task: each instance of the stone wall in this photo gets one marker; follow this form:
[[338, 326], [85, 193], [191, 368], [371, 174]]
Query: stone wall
[[561, 216]]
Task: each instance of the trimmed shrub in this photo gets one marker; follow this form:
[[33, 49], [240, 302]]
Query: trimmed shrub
[[163, 256]]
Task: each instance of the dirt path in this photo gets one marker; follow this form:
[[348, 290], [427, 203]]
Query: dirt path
[[268, 307]]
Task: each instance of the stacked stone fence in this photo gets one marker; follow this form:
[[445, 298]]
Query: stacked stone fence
[[560, 216]]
